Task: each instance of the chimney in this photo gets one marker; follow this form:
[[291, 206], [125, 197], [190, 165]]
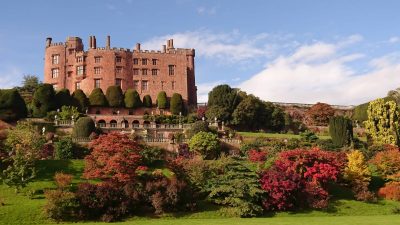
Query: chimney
[[138, 47], [172, 43], [164, 48], [168, 44], [94, 44], [48, 41], [108, 42], [90, 41]]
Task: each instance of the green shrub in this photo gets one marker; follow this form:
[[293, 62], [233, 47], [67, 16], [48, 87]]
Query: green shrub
[[206, 144], [80, 100], [132, 99], [147, 102], [176, 104], [97, 98], [12, 105], [68, 112], [341, 130], [162, 101], [197, 127], [83, 127], [63, 97], [43, 100], [114, 96], [151, 155], [308, 136], [64, 149]]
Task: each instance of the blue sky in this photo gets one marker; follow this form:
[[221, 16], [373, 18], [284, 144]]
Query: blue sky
[[340, 52]]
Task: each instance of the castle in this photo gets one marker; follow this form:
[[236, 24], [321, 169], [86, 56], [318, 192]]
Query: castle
[[68, 65]]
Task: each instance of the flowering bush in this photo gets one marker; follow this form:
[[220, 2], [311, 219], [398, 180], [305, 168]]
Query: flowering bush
[[257, 156], [390, 191]]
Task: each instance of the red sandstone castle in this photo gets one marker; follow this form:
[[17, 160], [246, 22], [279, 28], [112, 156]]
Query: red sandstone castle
[[68, 65]]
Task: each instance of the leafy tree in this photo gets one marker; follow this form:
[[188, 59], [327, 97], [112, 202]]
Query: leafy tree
[[277, 122], [320, 114], [114, 157], [147, 102], [176, 104], [382, 125], [226, 99], [12, 106], [63, 97], [30, 83], [250, 114], [80, 100], [68, 112], [64, 149], [83, 127], [114, 96], [197, 127], [341, 130], [238, 189], [97, 98], [162, 100], [206, 144], [43, 100], [132, 99]]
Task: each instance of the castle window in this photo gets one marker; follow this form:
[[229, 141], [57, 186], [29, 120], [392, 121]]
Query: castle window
[[154, 72], [118, 69], [54, 73], [79, 59], [55, 59], [135, 71], [144, 61], [118, 82], [80, 70], [136, 84], [71, 51], [118, 59], [97, 59], [77, 85], [145, 85], [171, 70], [154, 61], [173, 85], [97, 70], [135, 61], [144, 71], [96, 83]]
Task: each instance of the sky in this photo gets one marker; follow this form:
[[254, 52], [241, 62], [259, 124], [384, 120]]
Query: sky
[[343, 52]]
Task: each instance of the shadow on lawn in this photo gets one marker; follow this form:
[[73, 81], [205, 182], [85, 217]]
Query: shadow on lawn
[[46, 169]]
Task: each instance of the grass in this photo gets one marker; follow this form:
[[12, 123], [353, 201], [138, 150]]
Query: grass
[[20, 209], [274, 135]]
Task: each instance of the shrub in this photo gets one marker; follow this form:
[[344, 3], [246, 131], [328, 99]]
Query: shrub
[[97, 98], [176, 104], [390, 191], [132, 99], [60, 205], [257, 156], [114, 157], [64, 149], [43, 100], [80, 100], [162, 101], [205, 144], [387, 162], [147, 102], [114, 96], [63, 180], [68, 112], [63, 98], [197, 127], [12, 105], [320, 113], [341, 130], [83, 127], [308, 136], [47, 151], [150, 155]]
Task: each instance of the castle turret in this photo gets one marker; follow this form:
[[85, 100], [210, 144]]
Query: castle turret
[[48, 42]]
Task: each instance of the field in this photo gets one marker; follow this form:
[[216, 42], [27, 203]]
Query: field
[[25, 208]]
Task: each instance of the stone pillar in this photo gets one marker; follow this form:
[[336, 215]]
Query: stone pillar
[[108, 41]]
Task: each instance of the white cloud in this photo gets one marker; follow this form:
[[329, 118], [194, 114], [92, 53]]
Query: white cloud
[[206, 11], [204, 88], [9, 77], [227, 47], [320, 73], [393, 40]]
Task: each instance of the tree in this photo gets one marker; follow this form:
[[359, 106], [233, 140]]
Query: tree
[[114, 157], [69, 112], [162, 100], [63, 97], [197, 127], [382, 125], [43, 100], [80, 100], [226, 99], [147, 102], [341, 130], [30, 83], [132, 99], [83, 127], [64, 149], [12, 106], [176, 104], [250, 114], [320, 114], [97, 98], [114, 96], [206, 144], [277, 122]]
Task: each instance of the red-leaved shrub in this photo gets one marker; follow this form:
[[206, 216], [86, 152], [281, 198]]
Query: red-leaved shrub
[[256, 156], [387, 162], [390, 191]]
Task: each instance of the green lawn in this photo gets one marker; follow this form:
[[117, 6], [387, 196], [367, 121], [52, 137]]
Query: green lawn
[[20, 209], [274, 135]]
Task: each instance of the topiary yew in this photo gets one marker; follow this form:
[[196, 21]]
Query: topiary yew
[[162, 100], [12, 105], [147, 102], [97, 98], [80, 100], [83, 127], [43, 100], [176, 104], [114, 96], [341, 130], [132, 99]]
